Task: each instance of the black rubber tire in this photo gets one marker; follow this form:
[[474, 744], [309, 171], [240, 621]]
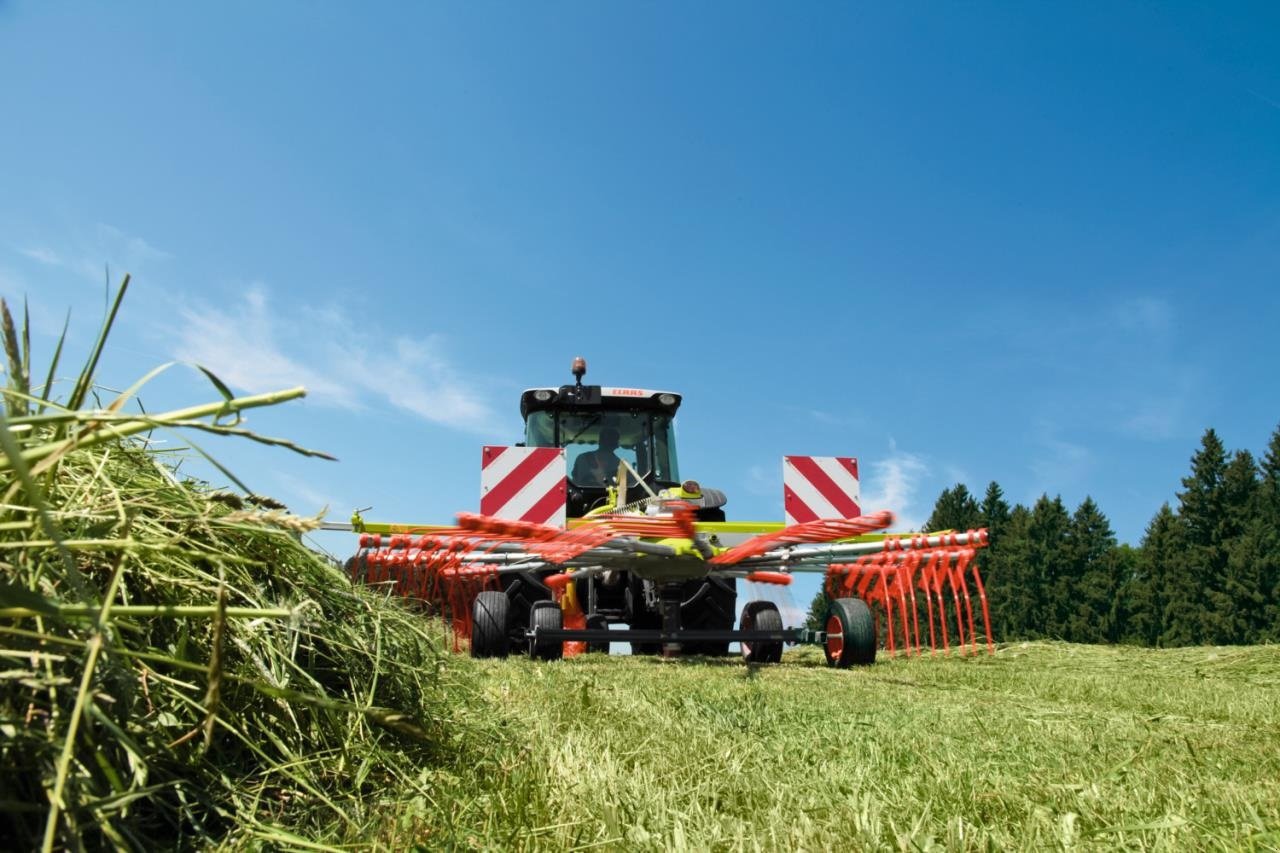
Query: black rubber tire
[[709, 605], [850, 623], [524, 589], [490, 625], [357, 566], [546, 615], [594, 622], [761, 616]]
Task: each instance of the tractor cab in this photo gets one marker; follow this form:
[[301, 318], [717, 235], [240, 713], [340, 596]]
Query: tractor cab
[[598, 426]]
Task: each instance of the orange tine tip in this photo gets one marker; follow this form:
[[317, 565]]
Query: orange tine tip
[[776, 578], [559, 581]]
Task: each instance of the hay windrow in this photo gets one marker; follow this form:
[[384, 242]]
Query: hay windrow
[[177, 668]]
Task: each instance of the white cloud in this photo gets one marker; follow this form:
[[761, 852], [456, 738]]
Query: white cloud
[[253, 348], [892, 485], [414, 377], [90, 255], [43, 255], [303, 498], [131, 247], [240, 347]]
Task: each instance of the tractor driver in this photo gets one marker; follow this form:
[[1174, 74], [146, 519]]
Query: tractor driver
[[596, 467]]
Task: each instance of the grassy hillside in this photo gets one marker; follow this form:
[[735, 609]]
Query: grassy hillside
[[1042, 745]]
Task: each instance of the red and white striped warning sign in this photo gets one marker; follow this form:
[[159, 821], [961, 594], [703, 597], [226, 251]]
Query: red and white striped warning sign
[[523, 484], [820, 487]]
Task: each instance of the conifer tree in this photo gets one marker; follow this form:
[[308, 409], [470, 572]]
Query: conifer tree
[[1268, 521], [1047, 554], [1236, 607], [1016, 598], [1087, 583], [994, 516], [1251, 566], [994, 512], [1176, 592], [1137, 614], [955, 509], [1200, 502], [1201, 511]]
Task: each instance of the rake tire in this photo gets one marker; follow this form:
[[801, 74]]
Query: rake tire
[[546, 616], [490, 625], [526, 590], [761, 616], [851, 634]]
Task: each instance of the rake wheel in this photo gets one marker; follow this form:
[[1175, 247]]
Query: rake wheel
[[761, 616], [546, 615], [851, 634], [490, 625]]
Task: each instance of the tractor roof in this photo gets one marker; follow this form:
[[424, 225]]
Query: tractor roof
[[597, 397]]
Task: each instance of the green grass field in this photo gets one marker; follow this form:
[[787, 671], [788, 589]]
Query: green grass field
[[178, 670], [1040, 746]]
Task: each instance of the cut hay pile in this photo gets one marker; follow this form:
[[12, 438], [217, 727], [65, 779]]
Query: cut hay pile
[[176, 667]]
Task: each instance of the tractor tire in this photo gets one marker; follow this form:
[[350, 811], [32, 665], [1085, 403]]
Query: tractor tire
[[597, 622], [709, 606], [524, 589], [490, 625], [546, 616], [761, 616], [851, 634]]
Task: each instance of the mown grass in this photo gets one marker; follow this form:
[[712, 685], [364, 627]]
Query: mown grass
[[177, 669], [1041, 746]]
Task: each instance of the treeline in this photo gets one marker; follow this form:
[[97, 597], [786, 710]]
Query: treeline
[[1207, 572]]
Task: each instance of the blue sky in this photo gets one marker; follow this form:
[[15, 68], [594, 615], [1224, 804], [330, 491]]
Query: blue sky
[[1030, 243]]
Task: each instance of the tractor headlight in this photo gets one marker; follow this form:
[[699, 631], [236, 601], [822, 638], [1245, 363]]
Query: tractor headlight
[[543, 395], [667, 399]]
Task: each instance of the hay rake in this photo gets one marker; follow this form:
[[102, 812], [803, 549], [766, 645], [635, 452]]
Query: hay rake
[[872, 580]]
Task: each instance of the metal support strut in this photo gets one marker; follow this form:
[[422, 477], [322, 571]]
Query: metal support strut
[[671, 599]]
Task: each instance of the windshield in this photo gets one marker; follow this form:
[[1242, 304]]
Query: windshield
[[594, 441]]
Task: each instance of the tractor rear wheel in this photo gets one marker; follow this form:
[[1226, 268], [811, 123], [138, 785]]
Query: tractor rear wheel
[[490, 625], [598, 622], [708, 606], [761, 616], [546, 616], [851, 633]]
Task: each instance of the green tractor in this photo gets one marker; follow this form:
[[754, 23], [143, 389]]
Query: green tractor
[[620, 442]]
